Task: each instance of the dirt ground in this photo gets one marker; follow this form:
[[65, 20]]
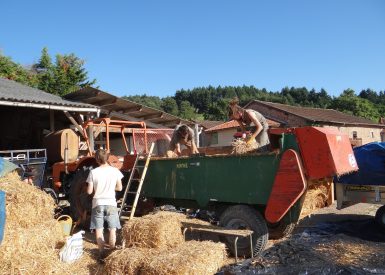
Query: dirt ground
[[330, 241]]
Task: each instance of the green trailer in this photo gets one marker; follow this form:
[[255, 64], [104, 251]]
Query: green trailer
[[261, 192]]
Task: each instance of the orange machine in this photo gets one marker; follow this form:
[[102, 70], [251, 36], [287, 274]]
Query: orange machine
[[323, 153]]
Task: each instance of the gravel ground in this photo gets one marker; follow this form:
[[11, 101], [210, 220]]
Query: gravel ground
[[330, 241]]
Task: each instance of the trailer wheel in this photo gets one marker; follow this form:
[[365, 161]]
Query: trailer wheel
[[245, 217], [380, 216], [80, 201], [280, 230]]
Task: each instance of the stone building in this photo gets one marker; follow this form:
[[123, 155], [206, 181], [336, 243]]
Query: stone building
[[360, 130]]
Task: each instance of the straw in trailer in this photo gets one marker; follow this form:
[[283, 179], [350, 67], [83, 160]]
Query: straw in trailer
[[241, 147]]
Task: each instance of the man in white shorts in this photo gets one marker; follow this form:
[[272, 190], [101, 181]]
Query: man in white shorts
[[103, 182]]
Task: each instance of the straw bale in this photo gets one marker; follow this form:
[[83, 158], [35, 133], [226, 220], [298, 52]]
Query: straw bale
[[158, 230], [240, 146], [128, 261], [192, 257], [32, 235], [31, 250], [315, 198], [26, 205]]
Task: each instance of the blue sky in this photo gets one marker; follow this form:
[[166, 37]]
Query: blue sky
[[158, 47]]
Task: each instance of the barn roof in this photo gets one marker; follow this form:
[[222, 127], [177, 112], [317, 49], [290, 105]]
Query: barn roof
[[13, 93]]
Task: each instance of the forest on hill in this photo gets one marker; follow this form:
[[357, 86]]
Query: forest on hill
[[67, 74], [210, 102]]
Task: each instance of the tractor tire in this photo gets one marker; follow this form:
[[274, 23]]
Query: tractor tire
[[245, 217], [380, 216], [280, 230], [80, 201]]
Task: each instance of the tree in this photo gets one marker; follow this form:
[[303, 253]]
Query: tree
[[186, 111], [13, 71], [69, 75], [45, 71], [369, 95], [349, 103], [169, 106], [64, 76], [149, 101]]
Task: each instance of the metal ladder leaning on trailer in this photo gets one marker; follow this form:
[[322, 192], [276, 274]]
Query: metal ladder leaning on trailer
[[142, 170]]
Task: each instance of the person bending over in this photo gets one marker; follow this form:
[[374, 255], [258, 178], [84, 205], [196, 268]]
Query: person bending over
[[245, 117], [182, 135]]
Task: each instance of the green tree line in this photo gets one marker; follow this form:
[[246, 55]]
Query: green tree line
[[67, 74], [211, 102]]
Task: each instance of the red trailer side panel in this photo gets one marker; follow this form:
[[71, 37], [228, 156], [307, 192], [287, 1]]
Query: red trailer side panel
[[325, 152], [289, 185]]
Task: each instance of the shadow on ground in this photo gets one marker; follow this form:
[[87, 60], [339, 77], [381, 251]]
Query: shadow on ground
[[333, 244]]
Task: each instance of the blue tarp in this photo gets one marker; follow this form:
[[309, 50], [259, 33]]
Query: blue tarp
[[371, 163], [6, 167], [2, 215]]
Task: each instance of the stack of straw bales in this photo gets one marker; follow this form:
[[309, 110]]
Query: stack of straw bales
[[32, 235], [155, 245]]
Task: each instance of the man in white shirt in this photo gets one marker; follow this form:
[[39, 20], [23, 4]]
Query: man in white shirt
[[103, 182]]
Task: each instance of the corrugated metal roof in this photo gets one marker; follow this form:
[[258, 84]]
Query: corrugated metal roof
[[118, 107], [14, 92], [318, 115]]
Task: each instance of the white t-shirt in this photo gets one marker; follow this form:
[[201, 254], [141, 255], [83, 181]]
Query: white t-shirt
[[104, 180]]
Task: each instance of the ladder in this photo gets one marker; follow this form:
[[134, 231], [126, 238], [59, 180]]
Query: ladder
[[133, 191]]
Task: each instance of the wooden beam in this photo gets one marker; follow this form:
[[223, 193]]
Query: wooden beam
[[100, 101], [172, 122], [131, 118], [68, 115], [52, 120], [109, 104], [151, 116], [132, 109]]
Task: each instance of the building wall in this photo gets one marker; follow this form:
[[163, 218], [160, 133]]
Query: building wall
[[367, 134], [225, 137]]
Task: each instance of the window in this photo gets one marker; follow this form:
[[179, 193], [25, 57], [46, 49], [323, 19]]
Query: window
[[214, 138], [354, 134]]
